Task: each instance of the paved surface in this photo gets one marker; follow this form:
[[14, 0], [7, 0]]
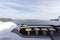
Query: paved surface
[[32, 37], [55, 37]]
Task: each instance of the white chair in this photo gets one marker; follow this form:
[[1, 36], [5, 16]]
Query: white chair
[[44, 30], [58, 28], [51, 31], [28, 30], [36, 29]]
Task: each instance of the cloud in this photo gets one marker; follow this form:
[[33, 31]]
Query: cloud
[[13, 4], [38, 9]]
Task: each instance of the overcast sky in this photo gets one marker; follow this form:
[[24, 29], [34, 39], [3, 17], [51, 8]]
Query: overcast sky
[[30, 9]]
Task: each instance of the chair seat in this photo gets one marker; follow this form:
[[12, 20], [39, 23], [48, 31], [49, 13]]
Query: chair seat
[[44, 29], [52, 29]]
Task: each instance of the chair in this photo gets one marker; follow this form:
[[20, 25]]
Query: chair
[[28, 31], [58, 29], [36, 29], [51, 31], [44, 30]]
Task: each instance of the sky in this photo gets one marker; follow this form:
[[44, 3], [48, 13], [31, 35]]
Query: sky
[[30, 9]]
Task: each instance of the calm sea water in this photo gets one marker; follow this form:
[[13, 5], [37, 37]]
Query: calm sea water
[[40, 22]]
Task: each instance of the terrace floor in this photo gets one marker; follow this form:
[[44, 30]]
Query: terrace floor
[[55, 37]]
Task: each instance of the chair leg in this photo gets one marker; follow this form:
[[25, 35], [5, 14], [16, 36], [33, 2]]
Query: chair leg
[[36, 32], [28, 33], [51, 33], [44, 32]]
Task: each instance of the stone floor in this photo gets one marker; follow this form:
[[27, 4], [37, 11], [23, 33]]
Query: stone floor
[[55, 37]]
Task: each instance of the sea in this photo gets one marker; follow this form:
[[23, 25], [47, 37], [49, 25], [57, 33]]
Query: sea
[[30, 22]]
